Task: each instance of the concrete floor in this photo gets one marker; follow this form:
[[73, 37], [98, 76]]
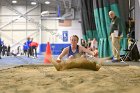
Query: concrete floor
[[11, 61]]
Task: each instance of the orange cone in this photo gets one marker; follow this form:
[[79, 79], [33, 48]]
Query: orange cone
[[48, 54]]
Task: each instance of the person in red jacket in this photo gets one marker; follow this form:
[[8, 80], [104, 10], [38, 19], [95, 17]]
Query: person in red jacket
[[34, 46]]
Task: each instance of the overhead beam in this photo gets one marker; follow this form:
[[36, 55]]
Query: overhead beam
[[14, 21], [9, 6], [18, 18]]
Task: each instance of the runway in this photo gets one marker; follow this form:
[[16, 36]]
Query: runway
[[11, 61]]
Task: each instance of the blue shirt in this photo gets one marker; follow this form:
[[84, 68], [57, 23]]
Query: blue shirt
[[1, 42], [25, 47], [28, 43], [73, 53]]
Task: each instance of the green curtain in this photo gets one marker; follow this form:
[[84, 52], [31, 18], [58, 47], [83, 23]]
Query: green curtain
[[88, 22], [100, 22]]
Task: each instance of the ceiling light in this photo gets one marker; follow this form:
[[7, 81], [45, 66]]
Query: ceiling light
[[33, 3], [45, 13], [14, 1], [47, 2]]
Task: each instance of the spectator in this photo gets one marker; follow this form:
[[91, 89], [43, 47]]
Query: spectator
[[25, 49], [0, 47], [34, 46], [115, 32], [89, 43], [28, 45], [83, 43], [4, 50], [8, 50]]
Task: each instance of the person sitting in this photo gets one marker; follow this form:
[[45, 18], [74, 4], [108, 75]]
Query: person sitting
[[13, 53], [75, 59], [133, 52], [95, 51], [89, 43], [83, 43], [94, 46]]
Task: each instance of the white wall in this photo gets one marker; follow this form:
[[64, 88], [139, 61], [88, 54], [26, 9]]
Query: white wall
[[53, 27], [22, 28], [19, 30], [74, 30]]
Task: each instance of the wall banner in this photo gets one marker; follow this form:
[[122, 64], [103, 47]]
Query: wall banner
[[65, 36]]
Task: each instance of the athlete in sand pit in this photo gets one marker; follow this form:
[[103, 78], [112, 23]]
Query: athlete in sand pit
[[75, 58]]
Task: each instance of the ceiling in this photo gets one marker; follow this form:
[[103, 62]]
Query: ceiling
[[66, 6], [53, 3]]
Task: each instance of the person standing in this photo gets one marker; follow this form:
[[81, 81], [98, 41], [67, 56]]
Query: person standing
[[0, 47], [34, 46], [8, 50], [4, 50], [25, 49], [115, 33], [29, 40]]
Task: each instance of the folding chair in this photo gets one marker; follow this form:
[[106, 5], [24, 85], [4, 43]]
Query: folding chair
[[129, 53]]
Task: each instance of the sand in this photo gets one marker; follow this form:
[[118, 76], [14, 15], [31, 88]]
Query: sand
[[45, 79]]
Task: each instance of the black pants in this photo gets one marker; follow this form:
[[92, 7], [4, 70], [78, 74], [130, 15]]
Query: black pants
[[30, 53], [34, 50], [25, 52], [135, 53]]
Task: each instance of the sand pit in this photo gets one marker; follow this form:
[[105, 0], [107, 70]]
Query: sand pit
[[45, 79]]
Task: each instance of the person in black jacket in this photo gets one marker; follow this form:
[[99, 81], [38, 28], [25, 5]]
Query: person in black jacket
[[8, 50], [115, 33]]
